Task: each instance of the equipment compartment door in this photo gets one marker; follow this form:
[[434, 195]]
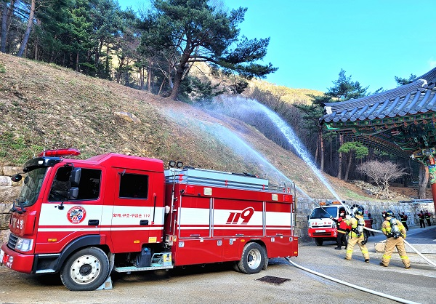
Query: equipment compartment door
[[278, 219], [237, 218], [194, 217]]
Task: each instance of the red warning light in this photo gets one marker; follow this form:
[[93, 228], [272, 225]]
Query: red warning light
[[60, 152]]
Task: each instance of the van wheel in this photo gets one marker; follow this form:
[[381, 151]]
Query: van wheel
[[319, 241], [253, 258], [86, 269]]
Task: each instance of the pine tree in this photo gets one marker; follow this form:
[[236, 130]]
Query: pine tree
[[189, 31]]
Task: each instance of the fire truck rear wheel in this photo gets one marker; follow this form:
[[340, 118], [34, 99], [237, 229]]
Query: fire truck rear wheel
[[253, 258], [86, 269]]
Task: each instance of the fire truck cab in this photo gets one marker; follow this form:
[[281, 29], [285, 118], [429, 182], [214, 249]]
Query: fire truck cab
[[321, 226], [112, 212]]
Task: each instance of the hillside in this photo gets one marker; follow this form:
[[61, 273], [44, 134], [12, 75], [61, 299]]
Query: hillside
[[45, 106]]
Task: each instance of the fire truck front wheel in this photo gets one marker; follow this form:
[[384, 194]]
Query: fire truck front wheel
[[319, 241], [253, 258], [87, 269]]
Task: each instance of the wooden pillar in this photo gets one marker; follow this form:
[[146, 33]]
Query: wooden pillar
[[427, 157], [432, 173]]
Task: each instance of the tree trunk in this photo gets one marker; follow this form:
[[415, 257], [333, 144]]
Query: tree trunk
[[127, 74], [180, 70], [38, 21], [341, 142], [141, 77], [4, 34], [28, 29], [77, 61], [107, 67], [423, 181], [120, 68], [161, 86], [149, 79], [176, 84], [321, 145], [350, 157], [6, 16]]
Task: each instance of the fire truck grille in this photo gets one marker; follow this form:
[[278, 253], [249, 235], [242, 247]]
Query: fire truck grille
[[12, 241], [321, 226], [322, 234], [273, 280]]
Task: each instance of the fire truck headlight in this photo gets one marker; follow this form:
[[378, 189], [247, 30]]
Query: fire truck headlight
[[24, 245]]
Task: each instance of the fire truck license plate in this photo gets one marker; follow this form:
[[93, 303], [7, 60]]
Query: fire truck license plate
[[320, 231], [2, 254]]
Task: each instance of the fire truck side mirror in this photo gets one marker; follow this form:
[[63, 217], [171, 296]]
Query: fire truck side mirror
[[75, 175], [73, 193], [16, 178]]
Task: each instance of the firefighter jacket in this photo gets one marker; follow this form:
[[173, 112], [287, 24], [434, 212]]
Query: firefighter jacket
[[387, 229], [343, 225], [353, 222], [403, 218]]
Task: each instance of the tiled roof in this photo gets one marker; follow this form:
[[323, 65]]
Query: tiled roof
[[416, 97]]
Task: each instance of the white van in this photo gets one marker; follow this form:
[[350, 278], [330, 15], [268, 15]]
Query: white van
[[321, 226]]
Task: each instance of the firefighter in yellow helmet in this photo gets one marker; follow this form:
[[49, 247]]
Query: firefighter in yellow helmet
[[356, 235], [395, 233]]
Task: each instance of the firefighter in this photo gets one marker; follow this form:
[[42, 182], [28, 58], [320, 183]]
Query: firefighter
[[421, 219], [395, 233], [427, 216], [356, 235], [343, 228], [403, 219]]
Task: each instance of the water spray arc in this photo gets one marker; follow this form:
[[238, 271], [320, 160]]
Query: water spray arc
[[293, 140], [239, 146]]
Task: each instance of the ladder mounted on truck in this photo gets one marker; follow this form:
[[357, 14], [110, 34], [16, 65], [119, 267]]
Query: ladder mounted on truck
[[195, 176]]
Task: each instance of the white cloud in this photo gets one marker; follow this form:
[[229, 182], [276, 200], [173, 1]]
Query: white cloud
[[432, 62]]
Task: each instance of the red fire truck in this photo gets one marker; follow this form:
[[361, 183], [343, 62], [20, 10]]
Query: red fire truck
[[87, 218]]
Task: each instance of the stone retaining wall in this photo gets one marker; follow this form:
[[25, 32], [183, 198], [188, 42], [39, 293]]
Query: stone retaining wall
[[10, 191]]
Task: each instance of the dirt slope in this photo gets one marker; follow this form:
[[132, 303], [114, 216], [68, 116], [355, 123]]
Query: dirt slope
[[43, 106]]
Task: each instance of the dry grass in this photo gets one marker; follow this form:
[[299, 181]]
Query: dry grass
[[46, 106]]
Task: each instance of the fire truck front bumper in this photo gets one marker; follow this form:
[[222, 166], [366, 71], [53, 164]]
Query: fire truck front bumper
[[16, 261], [323, 232]]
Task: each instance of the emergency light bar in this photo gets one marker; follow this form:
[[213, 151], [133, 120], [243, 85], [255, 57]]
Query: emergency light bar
[[330, 203], [60, 152]]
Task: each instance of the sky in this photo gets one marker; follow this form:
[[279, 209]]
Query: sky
[[312, 40]]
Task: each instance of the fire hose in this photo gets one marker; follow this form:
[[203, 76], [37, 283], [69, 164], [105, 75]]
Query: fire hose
[[352, 285], [413, 248], [359, 287]]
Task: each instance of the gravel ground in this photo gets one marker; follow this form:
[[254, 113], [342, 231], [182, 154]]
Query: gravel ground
[[221, 284]]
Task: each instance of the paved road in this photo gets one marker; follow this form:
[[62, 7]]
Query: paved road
[[220, 284]]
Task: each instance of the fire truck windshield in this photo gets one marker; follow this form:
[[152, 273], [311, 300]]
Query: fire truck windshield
[[324, 212], [31, 187]]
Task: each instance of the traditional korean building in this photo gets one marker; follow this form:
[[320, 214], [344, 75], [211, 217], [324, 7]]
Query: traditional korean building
[[400, 121]]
